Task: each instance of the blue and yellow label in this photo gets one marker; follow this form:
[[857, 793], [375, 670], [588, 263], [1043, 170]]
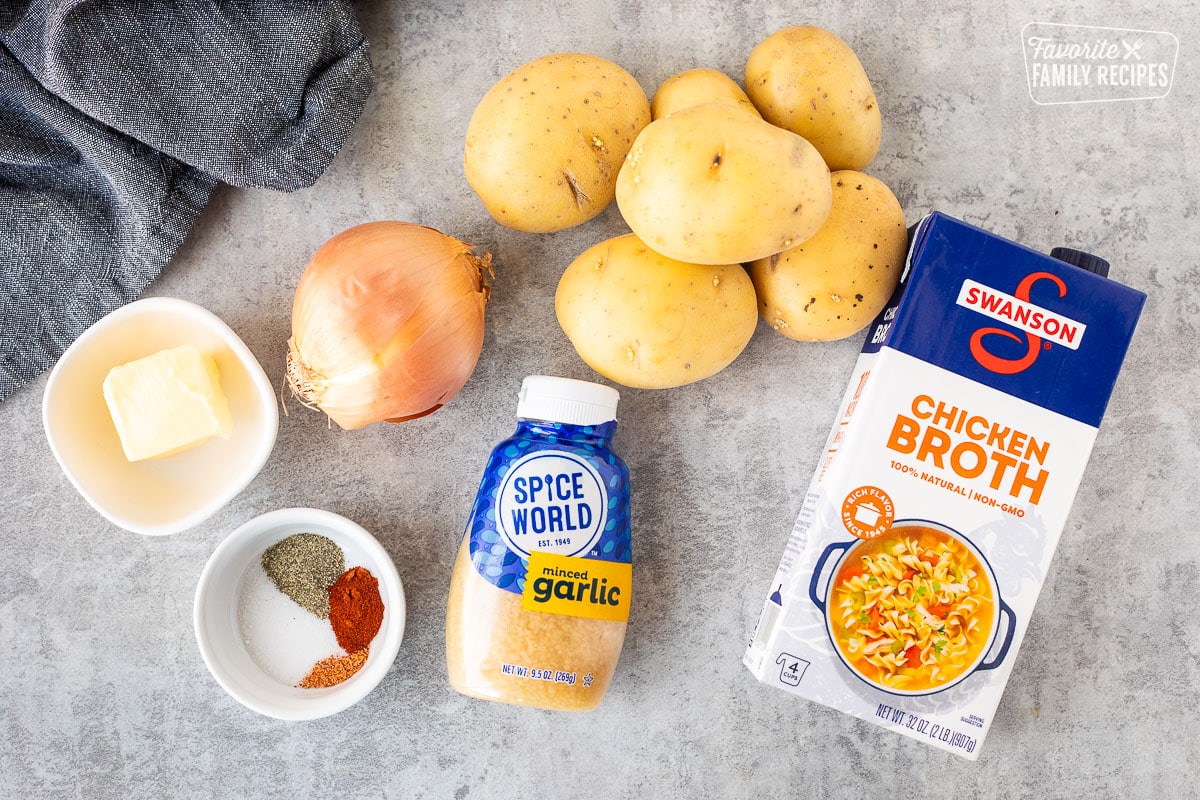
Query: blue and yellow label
[[577, 587], [551, 521]]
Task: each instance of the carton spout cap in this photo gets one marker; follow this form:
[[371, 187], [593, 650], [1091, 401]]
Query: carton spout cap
[[1080, 259]]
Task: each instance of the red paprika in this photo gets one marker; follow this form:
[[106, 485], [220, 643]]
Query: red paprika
[[355, 609]]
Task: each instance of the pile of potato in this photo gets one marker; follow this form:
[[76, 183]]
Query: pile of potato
[[741, 203]]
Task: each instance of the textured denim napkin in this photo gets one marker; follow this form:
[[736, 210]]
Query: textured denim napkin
[[117, 119]]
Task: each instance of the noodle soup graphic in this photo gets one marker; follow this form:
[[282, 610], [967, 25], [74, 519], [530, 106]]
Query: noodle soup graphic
[[914, 611]]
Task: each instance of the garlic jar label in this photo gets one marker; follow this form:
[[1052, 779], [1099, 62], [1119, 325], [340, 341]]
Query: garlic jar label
[[554, 489], [551, 502], [577, 587]]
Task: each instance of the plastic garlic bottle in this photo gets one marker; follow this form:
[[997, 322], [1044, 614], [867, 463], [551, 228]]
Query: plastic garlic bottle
[[539, 598]]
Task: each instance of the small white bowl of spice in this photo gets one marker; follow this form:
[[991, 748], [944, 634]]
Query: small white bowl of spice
[[299, 613], [159, 415]]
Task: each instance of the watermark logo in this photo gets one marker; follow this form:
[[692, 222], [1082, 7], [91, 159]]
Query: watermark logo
[[1086, 64]]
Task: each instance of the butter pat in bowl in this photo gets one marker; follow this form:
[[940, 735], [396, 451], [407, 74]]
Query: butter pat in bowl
[[159, 415], [167, 402]]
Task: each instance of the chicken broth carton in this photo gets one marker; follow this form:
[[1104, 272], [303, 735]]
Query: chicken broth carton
[[914, 564]]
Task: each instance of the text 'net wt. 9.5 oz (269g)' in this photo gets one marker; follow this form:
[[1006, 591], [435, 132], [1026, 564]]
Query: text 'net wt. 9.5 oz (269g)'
[[913, 567]]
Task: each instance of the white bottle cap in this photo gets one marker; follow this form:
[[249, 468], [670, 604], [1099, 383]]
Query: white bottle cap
[[566, 400]]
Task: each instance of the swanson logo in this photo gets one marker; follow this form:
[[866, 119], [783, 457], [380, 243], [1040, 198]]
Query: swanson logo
[[1039, 325]]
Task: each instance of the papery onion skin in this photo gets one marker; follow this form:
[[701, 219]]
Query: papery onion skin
[[387, 323]]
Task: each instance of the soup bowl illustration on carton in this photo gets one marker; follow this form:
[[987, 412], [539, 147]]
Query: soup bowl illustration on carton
[[913, 611]]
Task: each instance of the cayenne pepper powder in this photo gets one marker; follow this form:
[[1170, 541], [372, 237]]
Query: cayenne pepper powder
[[355, 609]]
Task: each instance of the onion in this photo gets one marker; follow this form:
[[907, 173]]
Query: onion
[[387, 323]]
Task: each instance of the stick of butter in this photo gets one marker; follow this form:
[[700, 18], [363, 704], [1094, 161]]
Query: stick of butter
[[167, 402]]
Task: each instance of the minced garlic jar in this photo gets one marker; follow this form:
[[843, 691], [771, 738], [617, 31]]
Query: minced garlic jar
[[539, 597]]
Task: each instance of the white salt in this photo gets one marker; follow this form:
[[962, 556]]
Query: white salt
[[283, 638]]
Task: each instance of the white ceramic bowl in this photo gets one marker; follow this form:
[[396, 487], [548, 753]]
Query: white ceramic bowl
[[222, 639], [174, 493]]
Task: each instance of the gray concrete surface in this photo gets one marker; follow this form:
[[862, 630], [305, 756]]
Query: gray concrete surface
[[103, 690]]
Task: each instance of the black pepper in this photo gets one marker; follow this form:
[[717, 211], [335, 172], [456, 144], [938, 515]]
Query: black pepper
[[303, 566]]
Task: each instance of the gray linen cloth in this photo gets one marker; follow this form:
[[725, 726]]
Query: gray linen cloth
[[117, 119]]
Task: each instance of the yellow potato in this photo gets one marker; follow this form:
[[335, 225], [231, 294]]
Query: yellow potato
[[695, 86], [714, 185], [544, 145], [834, 284], [809, 81], [647, 321]]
